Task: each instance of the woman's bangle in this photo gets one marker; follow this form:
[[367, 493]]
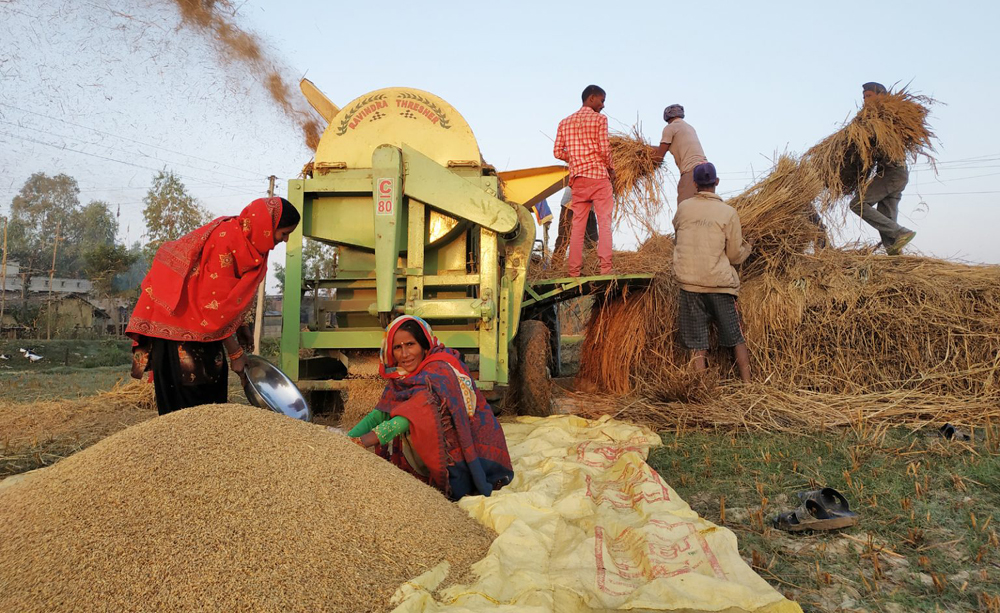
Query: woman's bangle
[[236, 354]]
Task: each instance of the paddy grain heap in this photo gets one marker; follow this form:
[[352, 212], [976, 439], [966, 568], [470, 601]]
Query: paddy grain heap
[[227, 508]]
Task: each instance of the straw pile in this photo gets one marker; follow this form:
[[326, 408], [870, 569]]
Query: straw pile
[[224, 508], [778, 215], [837, 334], [921, 331]]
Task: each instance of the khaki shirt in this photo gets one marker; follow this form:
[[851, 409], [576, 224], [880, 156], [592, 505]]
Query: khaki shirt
[[708, 244], [684, 145]]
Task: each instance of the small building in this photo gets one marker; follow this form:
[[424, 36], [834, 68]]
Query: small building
[[72, 315], [13, 281]]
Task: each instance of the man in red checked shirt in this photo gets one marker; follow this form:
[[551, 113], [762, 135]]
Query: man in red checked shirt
[[582, 140]]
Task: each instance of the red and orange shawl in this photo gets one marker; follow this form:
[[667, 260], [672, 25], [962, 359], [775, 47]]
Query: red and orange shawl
[[201, 285]]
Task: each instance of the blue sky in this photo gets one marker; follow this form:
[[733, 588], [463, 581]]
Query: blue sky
[[756, 79]]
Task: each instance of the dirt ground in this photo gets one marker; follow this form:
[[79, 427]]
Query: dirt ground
[[926, 540]]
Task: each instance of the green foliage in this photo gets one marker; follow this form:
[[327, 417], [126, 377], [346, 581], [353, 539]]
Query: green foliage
[[104, 261], [128, 281], [170, 212], [319, 261], [72, 353], [43, 205], [46, 205], [97, 226], [25, 314]]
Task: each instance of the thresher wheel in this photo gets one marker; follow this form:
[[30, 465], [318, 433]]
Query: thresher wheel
[[534, 353]]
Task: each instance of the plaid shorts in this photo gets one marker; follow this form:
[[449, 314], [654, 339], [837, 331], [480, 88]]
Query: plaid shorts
[[697, 310]]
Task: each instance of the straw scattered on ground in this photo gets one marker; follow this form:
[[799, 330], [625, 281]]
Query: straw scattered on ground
[[224, 507], [40, 433]]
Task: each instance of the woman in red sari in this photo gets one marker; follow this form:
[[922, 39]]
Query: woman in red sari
[[432, 418], [194, 299]]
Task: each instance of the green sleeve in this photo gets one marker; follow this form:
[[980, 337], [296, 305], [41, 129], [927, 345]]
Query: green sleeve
[[370, 421], [389, 430]]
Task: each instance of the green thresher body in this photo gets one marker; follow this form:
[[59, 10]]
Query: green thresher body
[[422, 227]]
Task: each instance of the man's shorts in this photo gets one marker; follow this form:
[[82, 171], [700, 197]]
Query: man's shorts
[[697, 310]]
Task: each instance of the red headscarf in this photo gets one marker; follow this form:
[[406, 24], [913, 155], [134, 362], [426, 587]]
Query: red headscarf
[[200, 285]]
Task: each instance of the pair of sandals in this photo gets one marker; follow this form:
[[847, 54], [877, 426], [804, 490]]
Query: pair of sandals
[[824, 509]]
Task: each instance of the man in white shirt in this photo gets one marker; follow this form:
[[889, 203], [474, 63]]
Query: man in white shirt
[[680, 139]]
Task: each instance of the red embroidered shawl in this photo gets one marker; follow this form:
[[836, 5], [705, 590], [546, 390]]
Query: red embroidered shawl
[[201, 285]]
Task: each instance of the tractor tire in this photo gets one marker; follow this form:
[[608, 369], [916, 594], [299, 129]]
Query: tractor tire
[[534, 356]]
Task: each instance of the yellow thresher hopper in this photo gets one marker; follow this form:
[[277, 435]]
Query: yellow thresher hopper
[[424, 227]]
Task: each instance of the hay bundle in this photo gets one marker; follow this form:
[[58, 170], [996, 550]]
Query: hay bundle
[[638, 178], [778, 214], [888, 128], [623, 330], [228, 508]]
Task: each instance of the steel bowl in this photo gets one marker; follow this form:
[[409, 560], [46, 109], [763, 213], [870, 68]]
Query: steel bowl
[[269, 388]]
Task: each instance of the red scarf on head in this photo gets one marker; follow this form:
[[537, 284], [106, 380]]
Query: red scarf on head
[[201, 285]]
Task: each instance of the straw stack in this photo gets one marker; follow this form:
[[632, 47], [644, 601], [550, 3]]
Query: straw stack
[[909, 335]]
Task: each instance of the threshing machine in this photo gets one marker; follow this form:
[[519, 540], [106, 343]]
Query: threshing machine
[[424, 227]]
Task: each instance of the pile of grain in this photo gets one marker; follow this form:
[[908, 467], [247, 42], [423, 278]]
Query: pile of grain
[[360, 399], [224, 508]]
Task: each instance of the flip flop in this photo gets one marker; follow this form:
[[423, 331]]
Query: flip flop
[[950, 432], [831, 500], [811, 516]]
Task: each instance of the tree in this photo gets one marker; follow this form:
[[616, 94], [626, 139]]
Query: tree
[[103, 263], [44, 203], [170, 212], [128, 282], [319, 261], [96, 225]]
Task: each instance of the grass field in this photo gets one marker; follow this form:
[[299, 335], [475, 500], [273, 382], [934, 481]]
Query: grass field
[[64, 353], [58, 383], [927, 538]]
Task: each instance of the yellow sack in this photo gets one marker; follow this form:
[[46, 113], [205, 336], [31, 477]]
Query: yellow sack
[[587, 525]]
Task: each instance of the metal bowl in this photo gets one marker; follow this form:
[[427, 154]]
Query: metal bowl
[[269, 388]]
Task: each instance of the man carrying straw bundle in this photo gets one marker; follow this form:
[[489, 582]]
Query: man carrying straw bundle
[[680, 139], [582, 141], [885, 192], [709, 243]]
